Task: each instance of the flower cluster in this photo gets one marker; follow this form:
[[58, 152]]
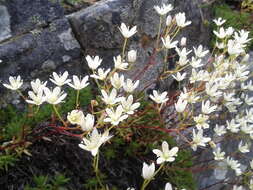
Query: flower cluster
[[216, 85]]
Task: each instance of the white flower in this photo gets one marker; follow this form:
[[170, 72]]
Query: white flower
[[129, 86], [220, 130], [75, 117], [117, 80], [248, 100], [180, 105], [15, 83], [94, 141], [60, 79], [242, 37], [164, 9], [234, 165], [243, 148], [101, 74], [198, 139], [219, 21], [207, 108], [212, 90], [119, 63], [126, 31], [36, 99], [183, 52], [37, 85], [165, 155], [179, 77], [247, 85], [199, 51], [201, 121], [110, 99], [181, 20], [54, 96], [115, 117], [221, 33], [159, 98], [195, 63], [241, 72], [88, 122], [229, 31], [79, 84], [167, 42], [220, 45], [93, 62], [168, 186], [235, 48], [233, 126], [148, 170], [128, 106], [132, 56], [168, 20], [218, 155]]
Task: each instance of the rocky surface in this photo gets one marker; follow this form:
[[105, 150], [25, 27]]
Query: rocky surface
[[36, 37], [97, 30]]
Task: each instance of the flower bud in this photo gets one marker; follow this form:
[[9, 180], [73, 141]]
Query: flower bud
[[168, 20], [88, 122], [131, 56], [75, 117], [183, 41], [94, 103], [148, 170]]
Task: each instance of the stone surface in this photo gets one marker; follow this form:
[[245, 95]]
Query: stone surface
[[29, 14], [38, 53], [5, 28], [97, 30]]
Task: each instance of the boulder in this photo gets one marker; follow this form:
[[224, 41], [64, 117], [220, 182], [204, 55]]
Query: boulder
[[97, 30], [25, 15], [40, 52]]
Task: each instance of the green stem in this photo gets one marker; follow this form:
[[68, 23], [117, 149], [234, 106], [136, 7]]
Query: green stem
[[159, 31], [165, 66], [177, 30], [37, 109], [95, 165], [21, 94], [58, 115], [77, 98], [124, 48]]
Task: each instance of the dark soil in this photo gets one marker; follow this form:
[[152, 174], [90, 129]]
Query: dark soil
[[63, 155]]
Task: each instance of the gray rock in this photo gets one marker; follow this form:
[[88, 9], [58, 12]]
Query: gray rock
[[28, 14], [68, 41], [37, 55], [97, 30], [5, 30]]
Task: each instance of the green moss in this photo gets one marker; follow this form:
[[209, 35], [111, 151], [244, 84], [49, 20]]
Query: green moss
[[7, 160], [56, 182], [237, 19], [180, 175]]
